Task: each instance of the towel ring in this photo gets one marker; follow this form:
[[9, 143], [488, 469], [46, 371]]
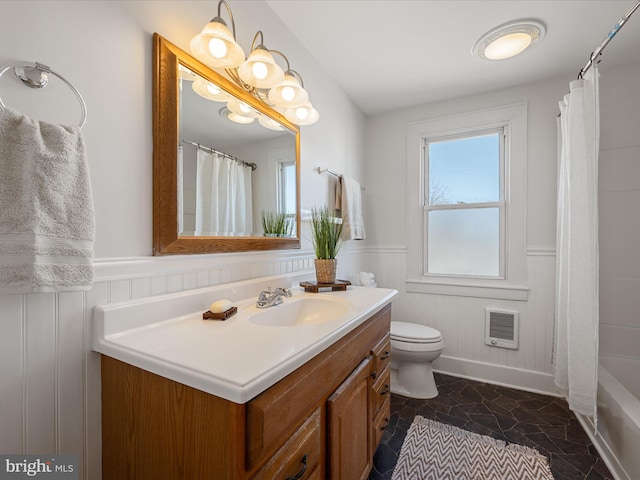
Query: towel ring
[[35, 75]]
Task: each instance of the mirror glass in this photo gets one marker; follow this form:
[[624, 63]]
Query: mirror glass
[[231, 172], [219, 185]]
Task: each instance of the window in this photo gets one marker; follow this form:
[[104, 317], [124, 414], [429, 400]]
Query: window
[[287, 186], [466, 204]]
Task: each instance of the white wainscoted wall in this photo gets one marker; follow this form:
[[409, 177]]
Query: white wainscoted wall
[[462, 323], [49, 376]]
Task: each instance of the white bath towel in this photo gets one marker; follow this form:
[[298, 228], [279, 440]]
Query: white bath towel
[[349, 203], [46, 207]]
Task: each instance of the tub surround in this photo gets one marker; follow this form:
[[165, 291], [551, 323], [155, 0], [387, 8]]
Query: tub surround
[[235, 359], [617, 433]]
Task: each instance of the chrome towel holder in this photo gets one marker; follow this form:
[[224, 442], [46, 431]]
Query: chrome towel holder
[[36, 75]]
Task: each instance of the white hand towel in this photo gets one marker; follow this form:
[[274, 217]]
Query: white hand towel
[[349, 202], [46, 207]]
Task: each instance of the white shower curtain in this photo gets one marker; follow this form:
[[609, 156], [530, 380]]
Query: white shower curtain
[[180, 175], [577, 262], [223, 196]]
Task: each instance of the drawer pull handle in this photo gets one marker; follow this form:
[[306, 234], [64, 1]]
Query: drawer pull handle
[[374, 375], [386, 389], [386, 423], [385, 355], [299, 475]]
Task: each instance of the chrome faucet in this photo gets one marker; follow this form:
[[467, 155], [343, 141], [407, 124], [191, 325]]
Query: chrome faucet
[[267, 298]]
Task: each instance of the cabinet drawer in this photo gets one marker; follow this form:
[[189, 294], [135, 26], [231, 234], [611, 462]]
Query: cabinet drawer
[[381, 354], [381, 390], [301, 453], [380, 422]]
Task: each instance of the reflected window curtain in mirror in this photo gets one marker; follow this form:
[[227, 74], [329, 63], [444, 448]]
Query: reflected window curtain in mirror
[[223, 196], [180, 179]]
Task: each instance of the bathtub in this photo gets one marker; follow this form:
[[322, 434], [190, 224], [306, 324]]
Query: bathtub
[[617, 437]]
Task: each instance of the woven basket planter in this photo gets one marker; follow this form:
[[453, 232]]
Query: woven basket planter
[[326, 270]]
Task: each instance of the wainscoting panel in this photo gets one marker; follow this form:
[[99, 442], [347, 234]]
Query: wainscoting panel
[[50, 378], [12, 374], [50, 396], [462, 320], [41, 373]]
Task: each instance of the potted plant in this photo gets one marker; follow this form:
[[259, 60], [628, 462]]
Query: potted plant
[[325, 236], [276, 224]]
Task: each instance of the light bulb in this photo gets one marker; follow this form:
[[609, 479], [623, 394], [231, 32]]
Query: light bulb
[[244, 107], [217, 48], [301, 113], [260, 70], [288, 93], [213, 89], [507, 46]]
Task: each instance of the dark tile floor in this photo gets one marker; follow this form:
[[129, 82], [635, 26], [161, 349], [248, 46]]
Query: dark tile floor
[[542, 422]]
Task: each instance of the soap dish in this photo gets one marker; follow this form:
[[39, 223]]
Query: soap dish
[[220, 316]]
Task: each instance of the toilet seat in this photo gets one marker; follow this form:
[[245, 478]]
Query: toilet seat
[[414, 333]]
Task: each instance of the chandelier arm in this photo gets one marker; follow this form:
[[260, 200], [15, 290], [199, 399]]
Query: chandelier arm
[[283, 56], [253, 44], [233, 23], [260, 94], [295, 73], [233, 74]]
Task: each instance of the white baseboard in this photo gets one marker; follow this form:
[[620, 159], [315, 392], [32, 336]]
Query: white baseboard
[[527, 380]]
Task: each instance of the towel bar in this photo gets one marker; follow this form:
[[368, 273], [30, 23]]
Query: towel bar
[[331, 172], [35, 75]]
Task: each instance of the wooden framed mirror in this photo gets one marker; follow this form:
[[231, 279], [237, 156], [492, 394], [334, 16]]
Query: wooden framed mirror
[[191, 132]]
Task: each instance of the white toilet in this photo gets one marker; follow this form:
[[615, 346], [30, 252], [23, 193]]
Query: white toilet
[[413, 348]]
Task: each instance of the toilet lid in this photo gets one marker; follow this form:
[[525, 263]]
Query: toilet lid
[[413, 332]]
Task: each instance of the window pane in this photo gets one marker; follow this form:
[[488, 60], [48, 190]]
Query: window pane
[[287, 187], [464, 242], [465, 170]]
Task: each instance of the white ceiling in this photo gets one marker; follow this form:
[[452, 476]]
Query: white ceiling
[[391, 54]]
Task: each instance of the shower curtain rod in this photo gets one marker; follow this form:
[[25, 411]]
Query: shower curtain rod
[[598, 51], [253, 166]]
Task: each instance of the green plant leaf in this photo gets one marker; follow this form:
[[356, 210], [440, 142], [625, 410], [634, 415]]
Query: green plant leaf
[[325, 233]]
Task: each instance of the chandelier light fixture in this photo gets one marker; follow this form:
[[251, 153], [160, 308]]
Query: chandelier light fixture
[[260, 75]]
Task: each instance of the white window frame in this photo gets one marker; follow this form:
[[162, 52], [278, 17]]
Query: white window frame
[[511, 284], [501, 131]]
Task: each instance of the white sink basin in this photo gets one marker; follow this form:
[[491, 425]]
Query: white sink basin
[[240, 357], [302, 310]]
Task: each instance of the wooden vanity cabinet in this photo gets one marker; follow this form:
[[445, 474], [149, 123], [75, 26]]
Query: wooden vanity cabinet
[[349, 426], [322, 421]]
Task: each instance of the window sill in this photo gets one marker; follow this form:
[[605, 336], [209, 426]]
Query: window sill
[[500, 291]]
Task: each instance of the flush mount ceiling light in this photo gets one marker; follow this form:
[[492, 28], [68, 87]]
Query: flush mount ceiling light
[[509, 39], [259, 74]]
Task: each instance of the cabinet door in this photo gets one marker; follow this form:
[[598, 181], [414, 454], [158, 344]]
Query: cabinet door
[[349, 428]]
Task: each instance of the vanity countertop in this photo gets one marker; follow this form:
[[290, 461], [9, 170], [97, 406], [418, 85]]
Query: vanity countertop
[[235, 359]]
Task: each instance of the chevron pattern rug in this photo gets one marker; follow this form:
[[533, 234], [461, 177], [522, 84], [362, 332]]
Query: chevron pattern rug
[[435, 451]]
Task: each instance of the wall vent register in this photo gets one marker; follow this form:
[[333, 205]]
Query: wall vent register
[[501, 328]]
